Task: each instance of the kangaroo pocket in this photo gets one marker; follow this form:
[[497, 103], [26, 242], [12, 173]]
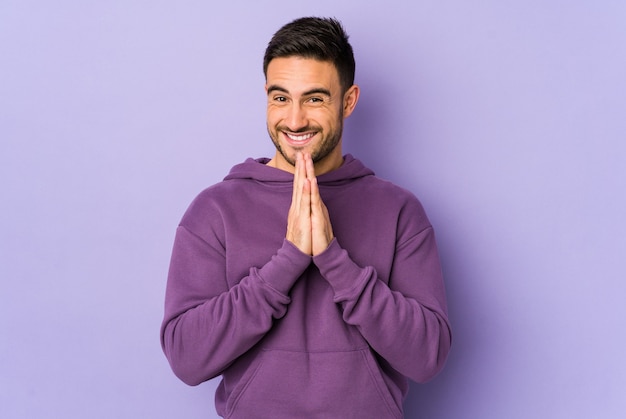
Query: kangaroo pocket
[[286, 384]]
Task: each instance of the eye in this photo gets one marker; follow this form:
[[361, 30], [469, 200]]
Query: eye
[[280, 99], [316, 100]]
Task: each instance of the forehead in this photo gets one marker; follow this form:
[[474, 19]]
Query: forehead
[[299, 72]]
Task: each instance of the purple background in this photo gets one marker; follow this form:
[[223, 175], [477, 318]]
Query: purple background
[[506, 118]]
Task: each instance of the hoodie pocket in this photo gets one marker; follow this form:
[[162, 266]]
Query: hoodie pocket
[[287, 384]]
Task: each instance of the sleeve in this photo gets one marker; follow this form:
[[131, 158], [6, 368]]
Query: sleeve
[[404, 321], [208, 324]]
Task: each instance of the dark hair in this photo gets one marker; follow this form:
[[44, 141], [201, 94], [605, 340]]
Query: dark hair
[[323, 39]]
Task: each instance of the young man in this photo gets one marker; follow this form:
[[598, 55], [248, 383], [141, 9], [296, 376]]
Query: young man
[[311, 286]]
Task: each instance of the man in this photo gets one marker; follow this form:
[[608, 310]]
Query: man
[[311, 286]]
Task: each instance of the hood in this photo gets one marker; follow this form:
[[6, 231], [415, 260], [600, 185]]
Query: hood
[[257, 169]]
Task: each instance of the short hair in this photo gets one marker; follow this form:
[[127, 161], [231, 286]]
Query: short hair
[[322, 39]]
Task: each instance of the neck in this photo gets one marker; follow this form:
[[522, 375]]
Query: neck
[[329, 163]]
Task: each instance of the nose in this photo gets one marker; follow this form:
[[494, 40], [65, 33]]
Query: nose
[[296, 117]]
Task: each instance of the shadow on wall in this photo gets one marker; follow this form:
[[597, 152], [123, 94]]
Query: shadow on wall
[[373, 134], [435, 399], [383, 134], [364, 134]]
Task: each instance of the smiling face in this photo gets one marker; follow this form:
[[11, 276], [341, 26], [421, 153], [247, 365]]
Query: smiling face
[[306, 107]]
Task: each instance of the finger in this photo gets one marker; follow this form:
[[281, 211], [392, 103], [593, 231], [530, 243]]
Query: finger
[[305, 198], [316, 199], [322, 230], [299, 217], [305, 178], [309, 166], [297, 181], [310, 176], [318, 208]]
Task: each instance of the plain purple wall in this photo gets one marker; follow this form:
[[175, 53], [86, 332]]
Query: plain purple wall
[[506, 118]]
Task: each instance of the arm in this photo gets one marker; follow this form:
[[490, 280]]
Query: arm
[[404, 321], [208, 324]]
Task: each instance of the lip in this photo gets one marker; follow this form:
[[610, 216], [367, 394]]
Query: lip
[[299, 139]]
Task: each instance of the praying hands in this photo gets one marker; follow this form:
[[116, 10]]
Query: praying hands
[[308, 222]]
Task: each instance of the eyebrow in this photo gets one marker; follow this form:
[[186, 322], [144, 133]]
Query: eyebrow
[[316, 91]]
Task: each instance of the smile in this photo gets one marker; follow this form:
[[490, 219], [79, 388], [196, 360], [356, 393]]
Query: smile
[[301, 138]]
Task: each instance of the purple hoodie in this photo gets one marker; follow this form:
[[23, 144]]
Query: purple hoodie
[[293, 336]]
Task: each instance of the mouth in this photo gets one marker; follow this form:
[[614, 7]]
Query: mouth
[[299, 139]]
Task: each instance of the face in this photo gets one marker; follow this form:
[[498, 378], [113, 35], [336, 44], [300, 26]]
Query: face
[[306, 107]]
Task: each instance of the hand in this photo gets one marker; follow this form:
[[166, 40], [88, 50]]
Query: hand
[[299, 217], [321, 228], [308, 223]]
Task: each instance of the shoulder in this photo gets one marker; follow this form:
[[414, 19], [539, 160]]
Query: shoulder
[[399, 200], [391, 192], [209, 205]]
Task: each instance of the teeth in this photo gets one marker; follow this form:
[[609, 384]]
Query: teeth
[[300, 137]]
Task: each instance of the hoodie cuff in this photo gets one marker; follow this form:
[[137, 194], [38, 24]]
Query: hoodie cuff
[[343, 275], [285, 267]]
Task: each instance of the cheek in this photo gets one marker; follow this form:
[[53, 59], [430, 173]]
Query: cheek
[[330, 118], [321, 115], [273, 115]]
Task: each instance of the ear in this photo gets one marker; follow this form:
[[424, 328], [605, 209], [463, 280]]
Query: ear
[[350, 98]]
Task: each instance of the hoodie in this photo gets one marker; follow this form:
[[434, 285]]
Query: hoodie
[[294, 336]]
